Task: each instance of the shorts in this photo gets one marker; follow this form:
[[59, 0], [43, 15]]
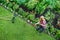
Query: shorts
[[40, 28]]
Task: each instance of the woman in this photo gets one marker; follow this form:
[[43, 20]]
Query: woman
[[42, 24]]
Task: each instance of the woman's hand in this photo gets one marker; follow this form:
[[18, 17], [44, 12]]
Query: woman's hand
[[35, 24]]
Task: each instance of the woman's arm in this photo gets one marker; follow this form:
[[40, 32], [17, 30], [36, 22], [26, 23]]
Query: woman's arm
[[36, 23]]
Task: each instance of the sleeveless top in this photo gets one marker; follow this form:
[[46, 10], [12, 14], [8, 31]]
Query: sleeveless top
[[43, 24]]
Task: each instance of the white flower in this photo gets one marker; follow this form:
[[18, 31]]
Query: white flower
[[28, 20]]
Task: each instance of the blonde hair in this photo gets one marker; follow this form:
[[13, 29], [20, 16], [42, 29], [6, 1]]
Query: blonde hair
[[42, 18]]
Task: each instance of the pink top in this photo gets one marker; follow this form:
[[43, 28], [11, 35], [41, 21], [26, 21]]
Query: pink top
[[43, 24]]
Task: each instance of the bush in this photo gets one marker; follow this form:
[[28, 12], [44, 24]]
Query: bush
[[49, 16], [58, 35], [40, 7], [24, 14], [15, 7], [31, 4], [10, 5], [36, 20], [20, 11], [5, 4], [31, 17], [57, 3], [1, 1], [9, 9], [20, 2]]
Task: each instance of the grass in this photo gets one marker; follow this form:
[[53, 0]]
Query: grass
[[20, 30]]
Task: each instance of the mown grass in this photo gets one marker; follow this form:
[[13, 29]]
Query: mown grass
[[20, 30]]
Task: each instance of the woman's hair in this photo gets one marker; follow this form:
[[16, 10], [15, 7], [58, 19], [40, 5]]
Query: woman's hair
[[42, 19]]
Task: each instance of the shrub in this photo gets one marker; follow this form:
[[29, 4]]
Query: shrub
[[10, 5], [57, 3], [15, 7], [49, 16], [58, 35], [1, 1], [31, 17], [20, 11], [40, 7], [31, 4], [24, 14], [36, 20], [9, 9], [5, 4], [20, 2]]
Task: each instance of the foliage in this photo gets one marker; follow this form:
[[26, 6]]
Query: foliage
[[31, 16], [20, 11], [49, 16], [57, 4], [20, 2], [58, 35], [36, 20], [51, 3], [40, 7], [15, 7], [24, 14], [5, 4], [10, 5], [31, 4]]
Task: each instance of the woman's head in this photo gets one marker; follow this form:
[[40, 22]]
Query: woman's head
[[41, 17], [42, 20]]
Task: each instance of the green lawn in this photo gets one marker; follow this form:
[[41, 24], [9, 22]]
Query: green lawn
[[20, 30]]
